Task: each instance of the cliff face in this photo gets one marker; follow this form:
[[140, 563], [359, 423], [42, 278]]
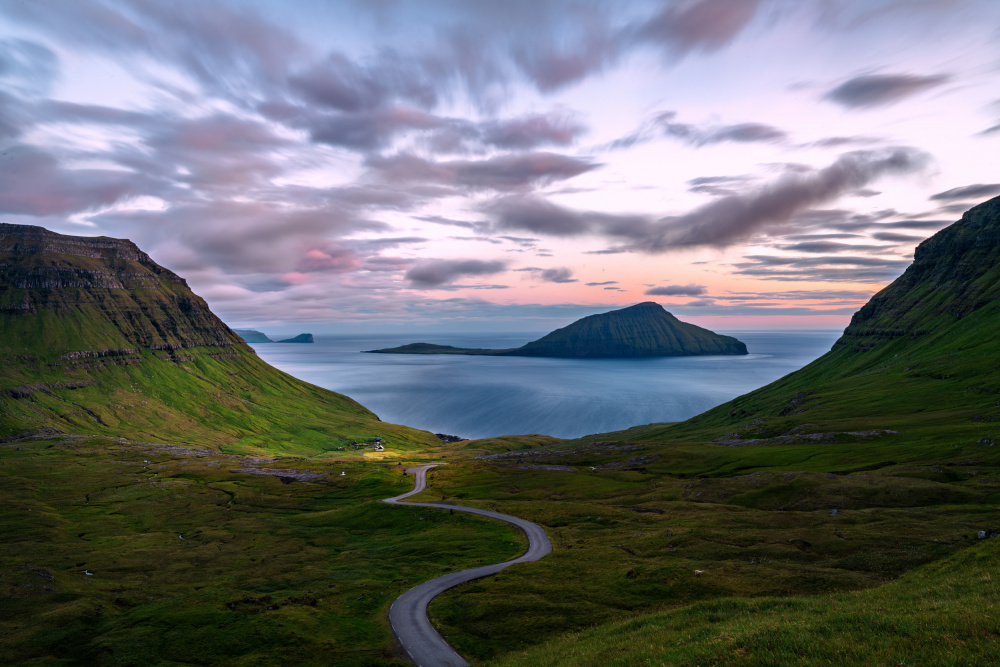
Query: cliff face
[[643, 330], [954, 273], [107, 296]]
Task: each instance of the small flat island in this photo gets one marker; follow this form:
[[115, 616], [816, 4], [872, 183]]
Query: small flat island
[[642, 330]]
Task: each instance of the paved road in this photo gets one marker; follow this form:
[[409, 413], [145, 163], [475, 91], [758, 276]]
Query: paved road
[[408, 614]]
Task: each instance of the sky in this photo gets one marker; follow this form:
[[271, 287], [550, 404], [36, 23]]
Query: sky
[[384, 165]]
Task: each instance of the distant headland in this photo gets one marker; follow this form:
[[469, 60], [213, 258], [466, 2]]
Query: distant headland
[[642, 330], [254, 336]]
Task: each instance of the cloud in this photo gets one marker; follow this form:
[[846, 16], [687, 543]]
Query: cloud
[[893, 237], [34, 183], [663, 124], [820, 247], [230, 51], [370, 129], [522, 241], [705, 25], [718, 185], [517, 133], [677, 290], [977, 191], [338, 83], [531, 131], [27, 67], [606, 282], [432, 273], [723, 222], [839, 142], [533, 213], [833, 297], [558, 275], [241, 237], [733, 218], [504, 172], [836, 268], [553, 61], [872, 90]]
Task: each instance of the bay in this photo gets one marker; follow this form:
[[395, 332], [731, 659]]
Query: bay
[[479, 397]]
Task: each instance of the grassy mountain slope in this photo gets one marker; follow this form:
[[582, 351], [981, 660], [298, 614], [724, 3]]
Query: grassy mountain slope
[[97, 338], [920, 358]]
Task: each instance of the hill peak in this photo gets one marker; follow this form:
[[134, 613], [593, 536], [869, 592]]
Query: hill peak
[[106, 295]]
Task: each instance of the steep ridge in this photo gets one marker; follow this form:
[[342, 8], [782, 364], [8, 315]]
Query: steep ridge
[[95, 337], [94, 298], [922, 353], [642, 330]]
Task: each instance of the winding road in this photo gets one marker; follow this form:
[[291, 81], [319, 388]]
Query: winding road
[[408, 614]]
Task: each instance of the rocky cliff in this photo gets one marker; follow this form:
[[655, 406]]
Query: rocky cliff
[[110, 299]]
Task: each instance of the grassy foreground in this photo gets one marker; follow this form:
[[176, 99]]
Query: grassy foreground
[[939, 614], [191, 563], [630, 534]]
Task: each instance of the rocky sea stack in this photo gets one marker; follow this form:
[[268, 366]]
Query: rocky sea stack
[[642, 330]]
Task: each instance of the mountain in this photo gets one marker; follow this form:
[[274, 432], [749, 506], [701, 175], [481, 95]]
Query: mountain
[[97, 338], [252, 336], [301, 338], [920, 356], [642, 330]]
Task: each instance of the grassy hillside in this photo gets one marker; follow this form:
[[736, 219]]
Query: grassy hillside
[[939, 614], [121, 554], [96, 338], [920, 358]]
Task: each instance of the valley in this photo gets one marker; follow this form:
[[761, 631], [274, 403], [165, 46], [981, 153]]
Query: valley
[[845, 513]]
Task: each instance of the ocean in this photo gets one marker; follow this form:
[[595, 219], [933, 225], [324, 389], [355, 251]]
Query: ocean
[[479, 397]]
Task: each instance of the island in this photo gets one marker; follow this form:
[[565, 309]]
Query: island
[[301, 338], [643, 330], [252, 336]]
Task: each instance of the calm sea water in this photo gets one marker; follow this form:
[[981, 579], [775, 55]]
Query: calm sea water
[[478, 397]]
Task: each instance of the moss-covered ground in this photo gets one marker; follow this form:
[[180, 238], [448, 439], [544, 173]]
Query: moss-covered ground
[[124, 554], [797, 521]]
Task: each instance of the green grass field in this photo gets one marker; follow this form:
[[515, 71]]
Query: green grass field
[[192, 564]]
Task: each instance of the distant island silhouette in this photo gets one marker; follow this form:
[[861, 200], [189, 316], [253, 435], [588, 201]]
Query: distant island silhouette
[[642, 330]]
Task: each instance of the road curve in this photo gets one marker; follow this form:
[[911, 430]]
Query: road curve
[[408, 613]]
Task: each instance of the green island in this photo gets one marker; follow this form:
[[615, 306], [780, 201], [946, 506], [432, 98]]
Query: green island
[[642, 330], [168, 498]]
